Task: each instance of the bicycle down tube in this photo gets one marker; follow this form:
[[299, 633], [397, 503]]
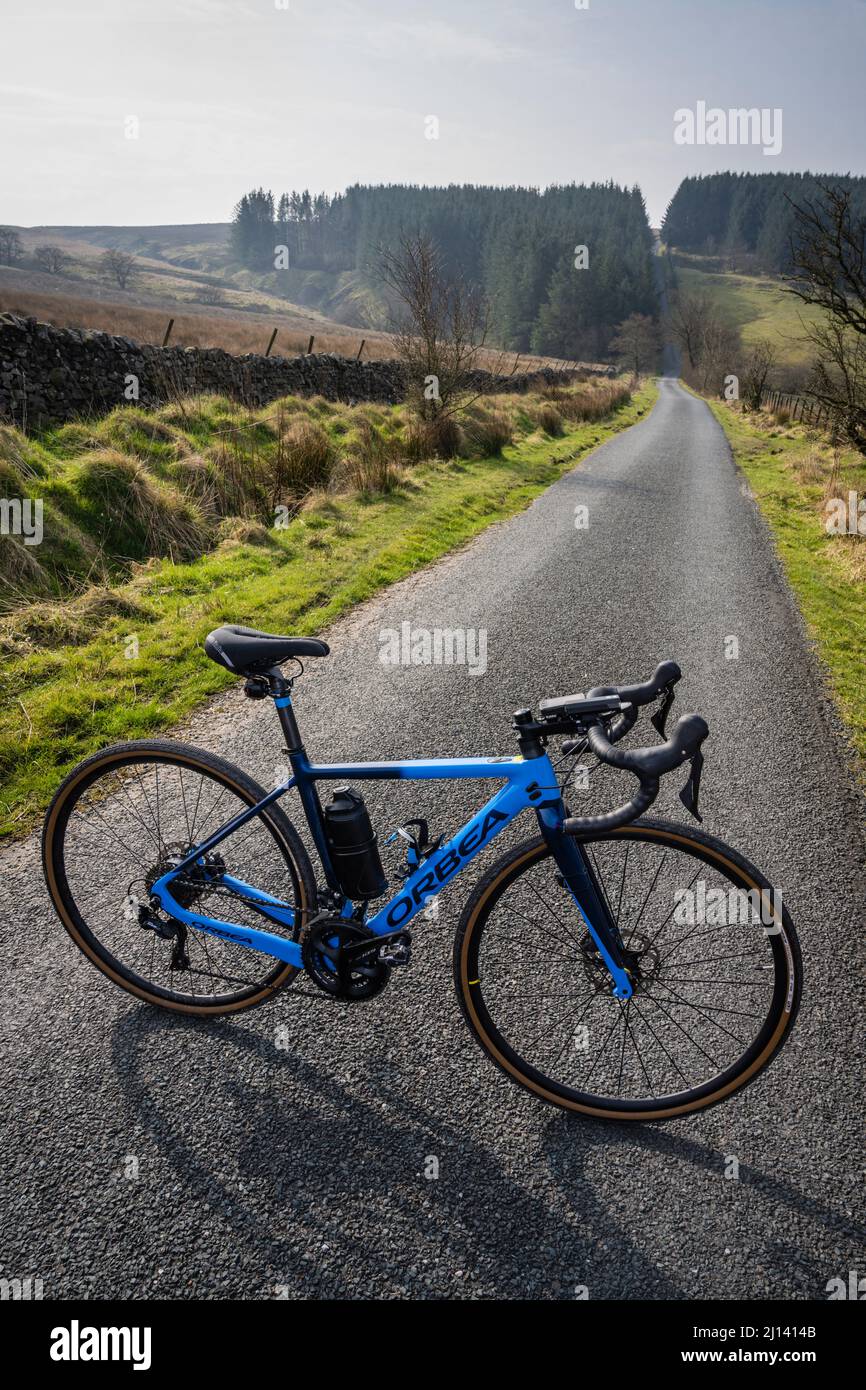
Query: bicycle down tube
[[529, 785]]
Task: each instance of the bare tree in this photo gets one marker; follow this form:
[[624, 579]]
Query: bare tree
[[828, 260], [828, 256], [637, 343], [52, 259], [719, 351], [710, 345], [11, 249], [439, 329], [755, 372], [838, 378], [686, 320], [118, 266]]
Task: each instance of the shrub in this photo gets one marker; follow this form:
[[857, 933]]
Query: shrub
[[370, 465]]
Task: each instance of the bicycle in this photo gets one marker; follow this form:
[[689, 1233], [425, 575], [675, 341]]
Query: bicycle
[[586, 963]]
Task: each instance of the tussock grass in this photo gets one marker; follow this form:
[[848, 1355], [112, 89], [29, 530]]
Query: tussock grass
[[372, 464], [68, 683], [486, 431], [303, 460], [441, 438], [592, 403], [137, 485], [68, 623], [548, 419], [132, 513]]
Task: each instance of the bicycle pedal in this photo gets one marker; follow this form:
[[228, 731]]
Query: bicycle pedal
[[397, 951]]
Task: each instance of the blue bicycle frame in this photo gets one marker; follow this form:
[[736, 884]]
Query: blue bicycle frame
[[530, 784]]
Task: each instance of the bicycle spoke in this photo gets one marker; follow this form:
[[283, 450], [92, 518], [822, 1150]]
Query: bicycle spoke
[[115, 844], [692, 1013]]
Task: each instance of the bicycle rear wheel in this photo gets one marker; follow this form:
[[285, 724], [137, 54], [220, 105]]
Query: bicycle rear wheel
[[717, 974], [113, 828]]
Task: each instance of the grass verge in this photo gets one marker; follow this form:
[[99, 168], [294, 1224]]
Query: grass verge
[[126, 661], [795, 474]]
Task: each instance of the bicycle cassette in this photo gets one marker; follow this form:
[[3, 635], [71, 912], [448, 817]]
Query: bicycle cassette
[[332, 949]]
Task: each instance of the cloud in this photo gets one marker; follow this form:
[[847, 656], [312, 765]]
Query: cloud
[[440, 42]]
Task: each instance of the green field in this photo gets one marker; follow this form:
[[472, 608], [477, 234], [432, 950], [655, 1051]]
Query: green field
[[123, 658], [758, 305]]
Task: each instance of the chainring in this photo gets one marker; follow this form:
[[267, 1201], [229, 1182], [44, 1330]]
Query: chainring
[[322, 945]]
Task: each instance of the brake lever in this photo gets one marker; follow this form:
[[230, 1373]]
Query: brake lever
[[660, 718], [689, 793]]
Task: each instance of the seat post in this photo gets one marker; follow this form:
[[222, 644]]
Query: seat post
[[281, 691]]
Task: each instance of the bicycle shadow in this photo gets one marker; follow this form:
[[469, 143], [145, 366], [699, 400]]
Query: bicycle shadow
[[317, 1167], [805, 1274], [322, 1182]]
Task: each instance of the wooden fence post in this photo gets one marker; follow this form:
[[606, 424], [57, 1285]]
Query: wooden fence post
[[271, 343], [360, 349], [168, 332], [310, 346]]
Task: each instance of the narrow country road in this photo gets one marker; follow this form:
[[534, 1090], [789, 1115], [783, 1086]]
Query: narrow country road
[[301, 1170]]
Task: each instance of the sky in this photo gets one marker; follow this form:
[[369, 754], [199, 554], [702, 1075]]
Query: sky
[[131, 112]]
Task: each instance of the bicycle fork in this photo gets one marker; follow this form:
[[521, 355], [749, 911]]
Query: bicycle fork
[[579, 879]]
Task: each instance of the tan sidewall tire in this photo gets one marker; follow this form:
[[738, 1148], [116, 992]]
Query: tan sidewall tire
[[468, 990], [244, 787]]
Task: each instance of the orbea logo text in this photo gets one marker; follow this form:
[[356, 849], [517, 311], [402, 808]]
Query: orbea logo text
[[77, 1343], [438, 646]]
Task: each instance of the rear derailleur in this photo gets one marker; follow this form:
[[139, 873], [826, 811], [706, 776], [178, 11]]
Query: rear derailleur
[[167, 930]]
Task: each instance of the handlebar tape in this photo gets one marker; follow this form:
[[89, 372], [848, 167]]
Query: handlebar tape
[[640, 802], [647, 764]]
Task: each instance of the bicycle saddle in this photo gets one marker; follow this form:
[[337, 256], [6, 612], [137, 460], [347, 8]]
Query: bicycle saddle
[[246, 651]]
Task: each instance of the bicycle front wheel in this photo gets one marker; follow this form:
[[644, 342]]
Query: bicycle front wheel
[[116, 825], [715, 966]]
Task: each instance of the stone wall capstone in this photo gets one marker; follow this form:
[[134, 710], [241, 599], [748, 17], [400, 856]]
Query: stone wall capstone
[[49, 375]]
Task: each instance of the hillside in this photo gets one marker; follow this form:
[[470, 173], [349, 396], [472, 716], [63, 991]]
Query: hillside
[[758, 305], [559, 267], [187, 273], [748, 219]]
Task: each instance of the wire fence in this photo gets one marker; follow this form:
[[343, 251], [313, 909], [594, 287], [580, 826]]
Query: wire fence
[[798, 407]]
